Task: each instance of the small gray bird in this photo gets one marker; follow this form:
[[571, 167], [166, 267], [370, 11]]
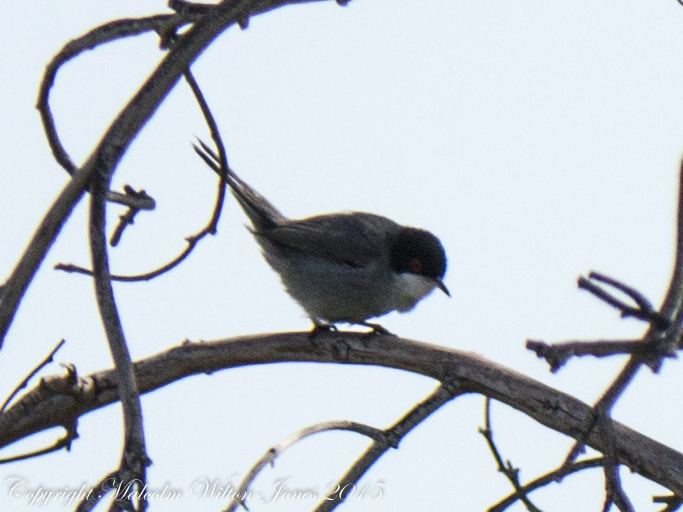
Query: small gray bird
[[342, 267]]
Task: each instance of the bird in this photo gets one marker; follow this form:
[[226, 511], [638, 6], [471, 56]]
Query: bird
[[341, 267]]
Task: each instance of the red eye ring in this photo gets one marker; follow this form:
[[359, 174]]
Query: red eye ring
[[415, 266]]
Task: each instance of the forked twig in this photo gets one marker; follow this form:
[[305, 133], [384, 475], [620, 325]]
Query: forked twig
[[127, 218], [644, 311], [505, 467], [557, 354]]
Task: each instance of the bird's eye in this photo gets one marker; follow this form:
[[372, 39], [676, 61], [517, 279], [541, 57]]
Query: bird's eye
[[415, 266]]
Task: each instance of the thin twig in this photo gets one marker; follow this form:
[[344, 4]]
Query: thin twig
[[25, 382], [557, 354], [127, 218], [638, 298], [511, 472], [217, 139], [544, 480], [191, 243], [644, 310], [268, 459], [63, 442], [101, 35]]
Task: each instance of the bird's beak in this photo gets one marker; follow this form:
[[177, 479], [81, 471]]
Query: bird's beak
[[442, 287]]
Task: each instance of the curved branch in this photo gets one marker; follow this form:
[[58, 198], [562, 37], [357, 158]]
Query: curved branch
[[98, 36], [275, 451], [672, 307], [134, 459], [191, 243], [58, 403]]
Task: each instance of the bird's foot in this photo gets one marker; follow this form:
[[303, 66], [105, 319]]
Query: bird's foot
[[319, 328]]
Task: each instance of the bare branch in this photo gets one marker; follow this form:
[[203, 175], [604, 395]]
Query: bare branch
[[134, 459], [275, 451], [601, 421], [644, 305], [42, 408], [511, 472], [644, 311], [557, 354], [93, 498], [24, 382], [98, 36], [129, 217], [69, 383], [546, 479], [62, 442], [216, 136], [191, 243], [661, 340]]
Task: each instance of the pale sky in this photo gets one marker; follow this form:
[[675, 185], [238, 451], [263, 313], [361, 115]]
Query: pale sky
[[538, 140]]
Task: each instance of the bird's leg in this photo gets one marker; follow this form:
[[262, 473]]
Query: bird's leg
[[319, 327]]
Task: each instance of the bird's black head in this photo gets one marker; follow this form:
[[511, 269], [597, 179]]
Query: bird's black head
[[419, 252]]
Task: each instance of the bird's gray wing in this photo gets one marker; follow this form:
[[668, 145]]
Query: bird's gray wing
[[356, 239]]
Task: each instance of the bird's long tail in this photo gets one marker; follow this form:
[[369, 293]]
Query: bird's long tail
[[261, 212]]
